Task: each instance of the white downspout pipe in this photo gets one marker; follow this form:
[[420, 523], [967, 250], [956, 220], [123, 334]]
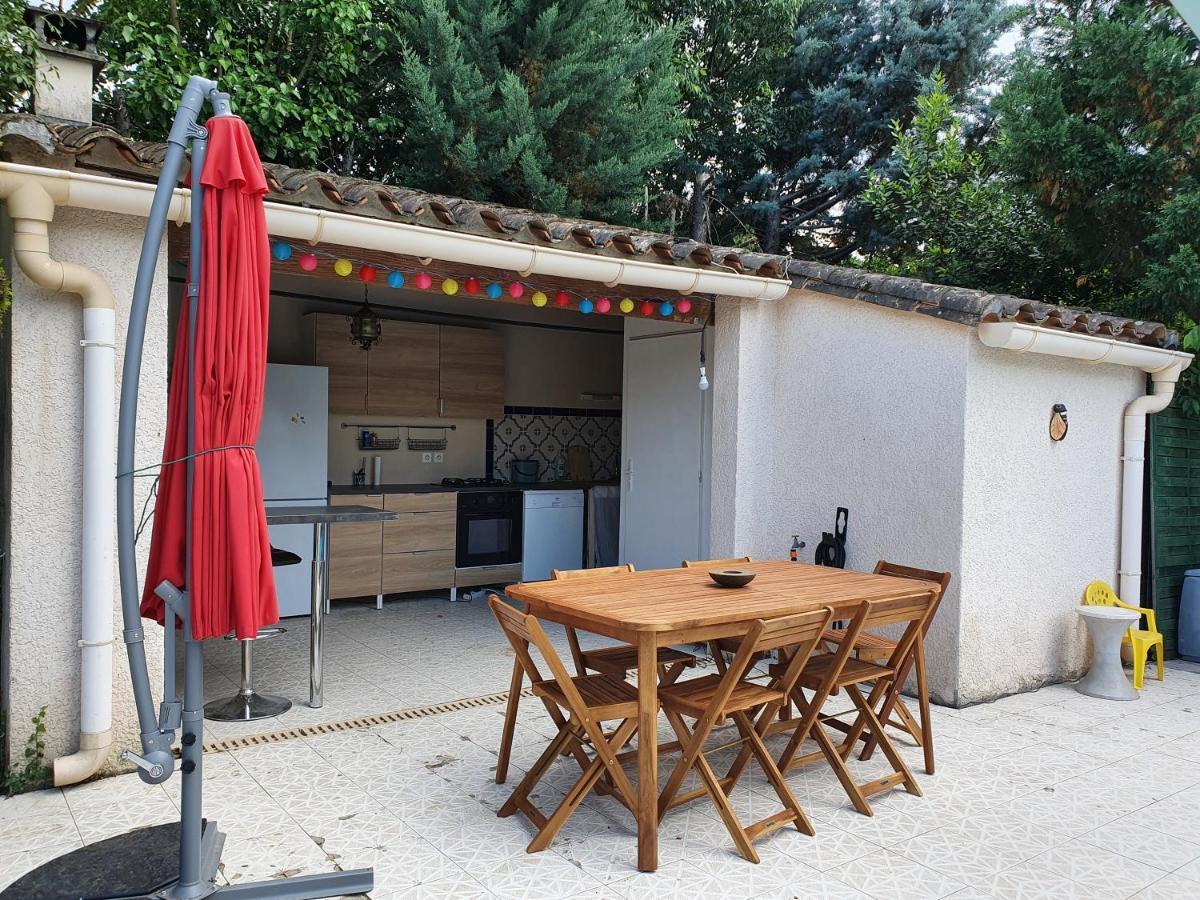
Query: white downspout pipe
[[31, 208], [1164, 368]]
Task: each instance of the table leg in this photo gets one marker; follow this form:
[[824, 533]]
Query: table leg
[[647, 800], [316, 621]]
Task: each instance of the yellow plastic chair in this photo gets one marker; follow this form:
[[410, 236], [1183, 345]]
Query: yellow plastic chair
[[1099, 593]]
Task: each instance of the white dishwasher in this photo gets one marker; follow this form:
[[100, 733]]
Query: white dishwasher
[[553, 533]]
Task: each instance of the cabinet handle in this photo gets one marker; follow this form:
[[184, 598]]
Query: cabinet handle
[[441, 406]]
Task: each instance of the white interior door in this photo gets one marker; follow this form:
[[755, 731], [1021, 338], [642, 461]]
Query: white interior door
[[661, 447]]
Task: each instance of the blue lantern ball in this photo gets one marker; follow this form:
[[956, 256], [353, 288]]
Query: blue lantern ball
[[282, 252], [395, 280], [586, 306], [666, 309], [495, 290]]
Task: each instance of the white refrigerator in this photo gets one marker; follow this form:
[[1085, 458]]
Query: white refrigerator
[[293, 455]]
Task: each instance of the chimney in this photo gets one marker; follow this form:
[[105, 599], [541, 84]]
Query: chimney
[[67, 64]]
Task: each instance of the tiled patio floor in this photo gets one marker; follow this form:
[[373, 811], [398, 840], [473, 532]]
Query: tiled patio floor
[[1047, 794]]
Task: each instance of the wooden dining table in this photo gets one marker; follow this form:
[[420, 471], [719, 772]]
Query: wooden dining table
[[665, 607]]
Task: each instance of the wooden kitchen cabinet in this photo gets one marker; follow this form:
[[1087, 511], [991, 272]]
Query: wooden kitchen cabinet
[[402, 370], [419, 545], [472, 373], [355, 551], [419, 370], [347, 363]]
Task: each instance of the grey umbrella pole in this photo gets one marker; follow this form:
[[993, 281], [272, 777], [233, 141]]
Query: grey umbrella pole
[[156, 763]]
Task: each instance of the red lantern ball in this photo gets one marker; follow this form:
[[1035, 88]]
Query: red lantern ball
[[308, 262], [516, 289], [366, 274], [647, 308], [684, 306], [561, 299], [472, 285], [423, 281], [603, 305]]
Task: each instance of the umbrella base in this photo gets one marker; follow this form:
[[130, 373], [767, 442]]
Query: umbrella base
[[246, 707], [144, 865]]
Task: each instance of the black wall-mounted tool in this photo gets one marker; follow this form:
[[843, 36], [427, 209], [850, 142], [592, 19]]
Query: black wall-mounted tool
[[832, 549]]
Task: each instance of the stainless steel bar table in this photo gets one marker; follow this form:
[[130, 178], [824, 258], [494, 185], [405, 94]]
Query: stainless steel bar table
[[321, 517]]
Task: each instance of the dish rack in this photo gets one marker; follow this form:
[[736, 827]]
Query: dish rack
[[367, 439]]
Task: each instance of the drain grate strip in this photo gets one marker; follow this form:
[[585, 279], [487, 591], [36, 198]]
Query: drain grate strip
[[371, 721]]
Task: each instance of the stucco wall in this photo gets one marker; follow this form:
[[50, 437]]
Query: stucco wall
[[1040, 519], [820, 403], [44, 586]]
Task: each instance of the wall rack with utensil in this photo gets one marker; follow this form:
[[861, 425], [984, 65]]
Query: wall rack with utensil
[[368, 439]]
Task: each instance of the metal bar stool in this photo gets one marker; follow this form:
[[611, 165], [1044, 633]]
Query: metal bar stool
[[247, 705]]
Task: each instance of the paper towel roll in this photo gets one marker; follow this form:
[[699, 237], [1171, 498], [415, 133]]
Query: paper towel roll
[[377, 470]]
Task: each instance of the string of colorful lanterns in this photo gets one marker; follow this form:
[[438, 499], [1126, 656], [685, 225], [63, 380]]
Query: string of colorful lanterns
[[422, 279]]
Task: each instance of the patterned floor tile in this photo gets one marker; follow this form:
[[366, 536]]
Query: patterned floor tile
[[948, 852], [35, 803], [896, 877], [263, 857], [1103, 873], [538, 876], [1163, 851]]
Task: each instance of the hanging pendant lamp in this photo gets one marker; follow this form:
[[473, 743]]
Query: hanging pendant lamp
[[365, 328]]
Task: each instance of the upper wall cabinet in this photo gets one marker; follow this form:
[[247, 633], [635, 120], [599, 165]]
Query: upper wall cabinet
[[347, 363], [402, 373], [472, 373], [415, 370]]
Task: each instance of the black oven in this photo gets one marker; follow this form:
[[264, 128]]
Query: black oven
[[489, 528]]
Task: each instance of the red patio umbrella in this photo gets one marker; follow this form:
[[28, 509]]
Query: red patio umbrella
[[231, 584]]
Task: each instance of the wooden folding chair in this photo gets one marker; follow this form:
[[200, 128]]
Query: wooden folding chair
[[851, 672], [618, 661], [589, 701], [871, 646], [711, 699]]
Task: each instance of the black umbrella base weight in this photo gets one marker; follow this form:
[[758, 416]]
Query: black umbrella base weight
[[144, 865]]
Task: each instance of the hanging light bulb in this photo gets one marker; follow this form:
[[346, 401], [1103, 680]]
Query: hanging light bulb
[[365, 328], [703, 374]]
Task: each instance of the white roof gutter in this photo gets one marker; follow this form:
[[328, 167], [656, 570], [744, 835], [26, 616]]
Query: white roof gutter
[[98, 192], [1164, 368]]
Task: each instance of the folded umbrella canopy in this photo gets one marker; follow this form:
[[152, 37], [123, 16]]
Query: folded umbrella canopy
[[230, 582]]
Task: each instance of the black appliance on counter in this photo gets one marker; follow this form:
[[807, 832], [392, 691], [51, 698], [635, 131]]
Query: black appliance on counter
[[489, 528]]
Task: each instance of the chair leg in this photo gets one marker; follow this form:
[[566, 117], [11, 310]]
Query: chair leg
[[885, 743], [510, 722], [1139, 664], [926, 737], [534, 775], [587, 781], [754, 739], [1158, 655]]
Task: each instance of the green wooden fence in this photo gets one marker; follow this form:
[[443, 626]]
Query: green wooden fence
[[1174, 515]]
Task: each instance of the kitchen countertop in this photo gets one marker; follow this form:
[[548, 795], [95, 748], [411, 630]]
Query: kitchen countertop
[[313, 515], [442, 489]]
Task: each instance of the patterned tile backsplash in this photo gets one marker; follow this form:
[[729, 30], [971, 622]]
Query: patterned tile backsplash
[[544, 433]]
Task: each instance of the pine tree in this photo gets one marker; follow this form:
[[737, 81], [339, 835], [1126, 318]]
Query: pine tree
[[561, 107], [857, 68]]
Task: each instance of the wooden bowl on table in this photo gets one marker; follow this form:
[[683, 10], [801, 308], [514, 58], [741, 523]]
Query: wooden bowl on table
[[732, 578]]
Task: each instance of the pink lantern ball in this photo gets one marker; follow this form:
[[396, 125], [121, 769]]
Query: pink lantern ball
[[684, 306], [603, 305], [516, 289], [423, 281], [308, 262]]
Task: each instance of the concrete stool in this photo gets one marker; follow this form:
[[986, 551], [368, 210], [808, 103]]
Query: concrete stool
[[247, 705], [1106, 679]]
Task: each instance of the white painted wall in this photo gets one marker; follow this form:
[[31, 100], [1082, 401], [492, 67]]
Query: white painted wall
[[939, 447], [1040, 519], [44, 580]]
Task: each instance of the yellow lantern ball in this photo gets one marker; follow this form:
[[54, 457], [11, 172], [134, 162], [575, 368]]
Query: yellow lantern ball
[[626, 305], [343, 267], [538, 299], [449, 286]]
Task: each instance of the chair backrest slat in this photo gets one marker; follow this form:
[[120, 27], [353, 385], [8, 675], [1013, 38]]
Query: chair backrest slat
[[715, 563], [523, 629], [787, 631], [562, 574]]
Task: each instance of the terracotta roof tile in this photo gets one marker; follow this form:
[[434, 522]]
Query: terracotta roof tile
[[99, 147]]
